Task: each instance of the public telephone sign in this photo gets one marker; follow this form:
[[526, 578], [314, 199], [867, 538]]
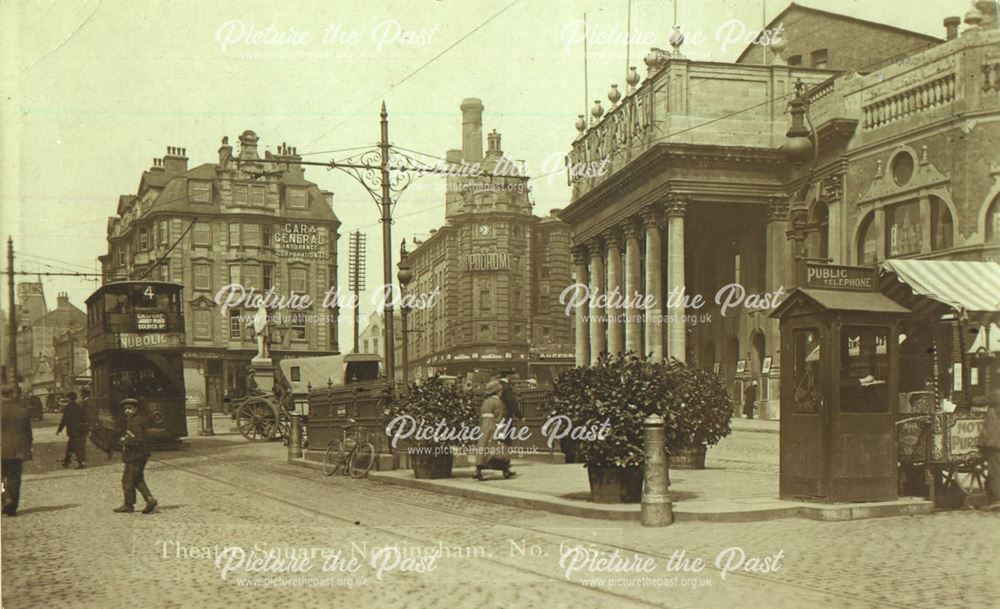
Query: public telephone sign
[[834, 277]]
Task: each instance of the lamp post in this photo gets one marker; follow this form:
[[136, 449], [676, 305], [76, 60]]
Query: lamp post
[[404, 275], [802, 143]]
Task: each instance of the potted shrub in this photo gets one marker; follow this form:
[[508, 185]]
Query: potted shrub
[[701, 414], [432, 405], [618, 392]]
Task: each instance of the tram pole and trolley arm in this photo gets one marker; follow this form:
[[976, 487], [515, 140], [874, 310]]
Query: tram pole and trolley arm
[[11, 317], [375, 176]]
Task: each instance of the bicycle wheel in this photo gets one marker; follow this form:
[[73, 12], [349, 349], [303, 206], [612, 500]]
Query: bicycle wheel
[[362, 460], [333, 459]]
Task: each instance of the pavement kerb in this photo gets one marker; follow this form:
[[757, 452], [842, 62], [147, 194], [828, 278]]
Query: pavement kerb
[[724, 512]]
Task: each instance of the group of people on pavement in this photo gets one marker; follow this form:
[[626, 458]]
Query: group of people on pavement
[[77, 420], [499, 408]]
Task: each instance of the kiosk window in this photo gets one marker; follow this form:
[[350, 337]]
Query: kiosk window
[[864, 369], [808, 398]]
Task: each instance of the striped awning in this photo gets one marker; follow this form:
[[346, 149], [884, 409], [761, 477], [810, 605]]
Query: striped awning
[[968, 288]]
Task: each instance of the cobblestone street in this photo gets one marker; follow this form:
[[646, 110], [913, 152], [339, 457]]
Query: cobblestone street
[[67, 549]]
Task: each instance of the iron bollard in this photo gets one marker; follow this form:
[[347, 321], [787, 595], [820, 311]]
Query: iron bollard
[[657, 509], [294, 436], [205, 428]]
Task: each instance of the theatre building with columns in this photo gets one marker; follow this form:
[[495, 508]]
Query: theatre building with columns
[[696, 203], [500, 270]]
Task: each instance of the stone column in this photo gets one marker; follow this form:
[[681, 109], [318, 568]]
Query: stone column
[[582, 350], [598, 344], [776, 250], [676, 207], [633, 286], [616, 328], [654, 284]]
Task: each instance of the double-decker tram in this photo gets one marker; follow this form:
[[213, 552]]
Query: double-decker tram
[[135, 335]]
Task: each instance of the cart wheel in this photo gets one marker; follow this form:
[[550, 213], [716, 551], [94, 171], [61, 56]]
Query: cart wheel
[[362, 460], [333, 459], [970, 478], [257, 420]]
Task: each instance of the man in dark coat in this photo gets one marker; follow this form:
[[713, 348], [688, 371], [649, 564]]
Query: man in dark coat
[[511, 405], [74, 421], [135, 454], [750, 400], [16, 447], [989, 445]]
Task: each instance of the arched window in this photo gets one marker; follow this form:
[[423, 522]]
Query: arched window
[[819, 239], [942, 227], [867, 241], [993, 222]]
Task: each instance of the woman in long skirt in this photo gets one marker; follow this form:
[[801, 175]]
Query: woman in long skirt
[[492, 453]]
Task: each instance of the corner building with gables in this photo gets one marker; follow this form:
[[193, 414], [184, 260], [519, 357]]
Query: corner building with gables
[[696, 196], [239, 221], [500, 269]]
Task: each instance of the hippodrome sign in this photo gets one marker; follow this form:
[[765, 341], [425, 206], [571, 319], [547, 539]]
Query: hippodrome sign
[[490, 261], [829, 276]]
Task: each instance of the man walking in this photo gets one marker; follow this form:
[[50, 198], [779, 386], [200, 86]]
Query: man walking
[[135, 454], [75, 423], [989, 445], [750, 400], [16, 447], [511, 405]]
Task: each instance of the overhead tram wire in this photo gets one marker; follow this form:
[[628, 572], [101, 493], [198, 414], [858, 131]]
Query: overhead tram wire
[[170, 249], [415, 72]]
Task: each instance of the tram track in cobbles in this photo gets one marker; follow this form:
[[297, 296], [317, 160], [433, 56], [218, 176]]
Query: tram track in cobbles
[[491, 522]]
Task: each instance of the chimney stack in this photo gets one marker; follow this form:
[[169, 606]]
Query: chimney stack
[[175, 162], [248, 145], [62, 299], [951, 27], [472, 130], [493, 144], [225, 152]]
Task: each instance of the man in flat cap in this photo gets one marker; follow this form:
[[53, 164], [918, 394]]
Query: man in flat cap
[[74, 421], [135, 454], [16, 446]]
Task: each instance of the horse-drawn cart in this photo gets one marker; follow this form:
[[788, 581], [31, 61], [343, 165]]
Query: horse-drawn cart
[[263, 416], [939, 457]]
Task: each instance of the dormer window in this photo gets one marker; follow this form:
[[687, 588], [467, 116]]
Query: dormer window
[[199, 191], [296, 198], [820, 58]]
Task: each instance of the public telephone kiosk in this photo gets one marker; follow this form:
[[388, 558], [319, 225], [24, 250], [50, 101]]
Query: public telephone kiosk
[[839, 388], [885, 377]]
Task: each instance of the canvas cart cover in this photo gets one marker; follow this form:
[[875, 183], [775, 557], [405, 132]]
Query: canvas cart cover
[[971, 289]]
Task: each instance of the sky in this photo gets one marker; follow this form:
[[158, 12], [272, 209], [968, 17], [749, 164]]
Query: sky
[[93, 90]]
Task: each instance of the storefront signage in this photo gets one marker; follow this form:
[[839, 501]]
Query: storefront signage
[[489, 261], [134, 340], [833, 277], [963, 436], [150, 321], [296, 240]]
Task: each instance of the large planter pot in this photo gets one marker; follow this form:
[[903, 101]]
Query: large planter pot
[[427, 467], [615, 484], [689, 458]]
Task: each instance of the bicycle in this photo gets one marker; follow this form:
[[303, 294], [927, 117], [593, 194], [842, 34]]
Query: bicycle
[[358, 458]]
